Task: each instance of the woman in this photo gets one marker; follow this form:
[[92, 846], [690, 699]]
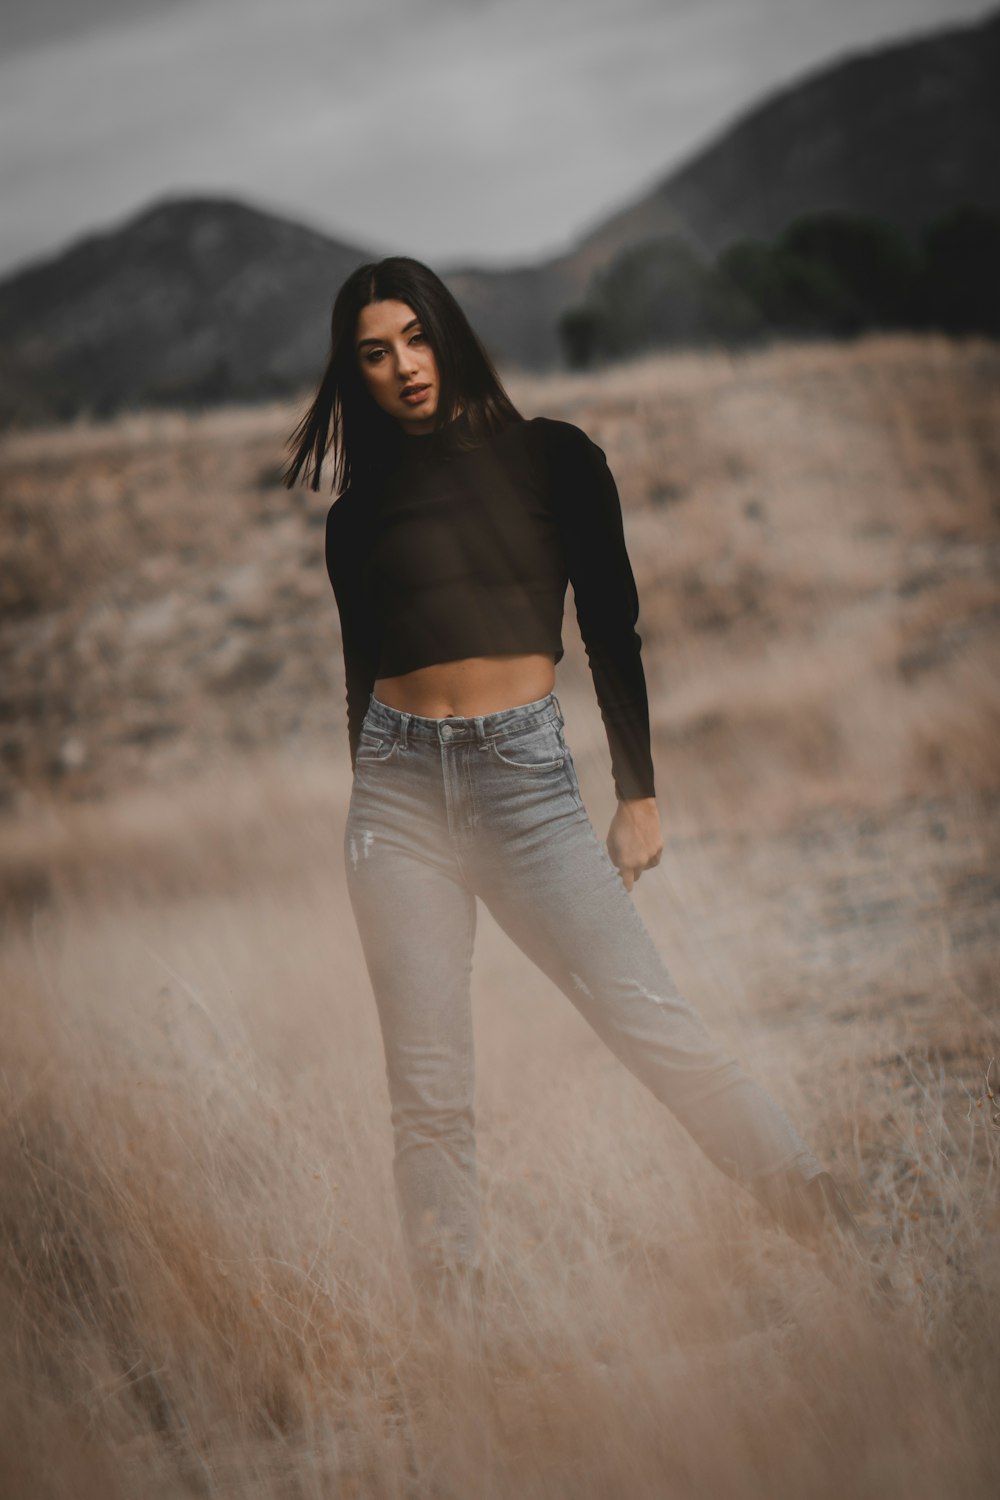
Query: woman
[[457, 527]]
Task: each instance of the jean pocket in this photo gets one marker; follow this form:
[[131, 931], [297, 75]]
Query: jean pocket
[[536, 748], [373, 746]]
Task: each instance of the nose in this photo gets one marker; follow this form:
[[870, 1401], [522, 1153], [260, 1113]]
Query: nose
[[406, 365]]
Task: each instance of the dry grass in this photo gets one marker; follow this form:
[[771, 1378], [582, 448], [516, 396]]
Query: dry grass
[[201, 1280]]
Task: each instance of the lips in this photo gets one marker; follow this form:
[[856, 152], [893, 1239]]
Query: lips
[[413, 390]]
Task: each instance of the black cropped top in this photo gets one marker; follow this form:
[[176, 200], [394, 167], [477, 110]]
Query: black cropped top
[[469, 554]]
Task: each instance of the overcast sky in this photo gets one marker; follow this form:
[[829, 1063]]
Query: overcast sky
[[489, 131]]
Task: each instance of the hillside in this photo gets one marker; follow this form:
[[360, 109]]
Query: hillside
[[821, 519], [902, 132], [198, 301], [202, 1286]]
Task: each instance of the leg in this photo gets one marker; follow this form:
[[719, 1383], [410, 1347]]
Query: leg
[[564, 903], [417, 925]]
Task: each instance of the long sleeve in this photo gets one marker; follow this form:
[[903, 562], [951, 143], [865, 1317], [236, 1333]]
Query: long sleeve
[[589, 512], [345, 555]]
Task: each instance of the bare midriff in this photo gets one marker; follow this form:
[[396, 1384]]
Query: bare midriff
[[469, 686]]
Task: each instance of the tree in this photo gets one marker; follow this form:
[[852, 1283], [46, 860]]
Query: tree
[[790, 294], [660, 293], [874, 263], [581, 332], [961, 275]]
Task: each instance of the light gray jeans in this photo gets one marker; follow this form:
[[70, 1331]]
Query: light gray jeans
[[445, 810]]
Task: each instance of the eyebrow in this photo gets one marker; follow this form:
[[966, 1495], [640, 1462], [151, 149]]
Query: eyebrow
[[411, 324]]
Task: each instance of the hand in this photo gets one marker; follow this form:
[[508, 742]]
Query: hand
[[635, 838]]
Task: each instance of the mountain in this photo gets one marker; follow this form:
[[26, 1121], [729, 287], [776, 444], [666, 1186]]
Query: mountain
[[903, 132], [198, 300], [193, 300]]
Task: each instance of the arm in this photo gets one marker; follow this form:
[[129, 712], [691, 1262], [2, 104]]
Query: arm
[[358, 625], [607, 608], [606, 599]]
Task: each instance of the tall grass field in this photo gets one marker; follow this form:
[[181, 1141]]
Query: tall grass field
[[202, 1282]]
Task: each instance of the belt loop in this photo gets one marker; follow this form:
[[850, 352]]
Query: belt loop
[[480, 730], [558, 707], [402, 730]]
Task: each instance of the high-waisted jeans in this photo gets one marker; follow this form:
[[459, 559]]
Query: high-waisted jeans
[[488, 805]]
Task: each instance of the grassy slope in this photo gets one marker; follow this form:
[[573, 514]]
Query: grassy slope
[[200, 1282]]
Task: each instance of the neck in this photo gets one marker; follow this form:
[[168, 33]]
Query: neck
[[435, 438]]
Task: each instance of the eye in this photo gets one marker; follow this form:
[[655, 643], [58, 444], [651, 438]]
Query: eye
[[417, 336]]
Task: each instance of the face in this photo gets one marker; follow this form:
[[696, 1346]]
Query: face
[[394, 355]]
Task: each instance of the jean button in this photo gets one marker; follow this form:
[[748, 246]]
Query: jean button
[[445, 731]]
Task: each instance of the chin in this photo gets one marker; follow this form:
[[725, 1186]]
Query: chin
[[422, 413]]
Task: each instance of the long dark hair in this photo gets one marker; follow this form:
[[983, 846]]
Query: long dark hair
[[366, 438]]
